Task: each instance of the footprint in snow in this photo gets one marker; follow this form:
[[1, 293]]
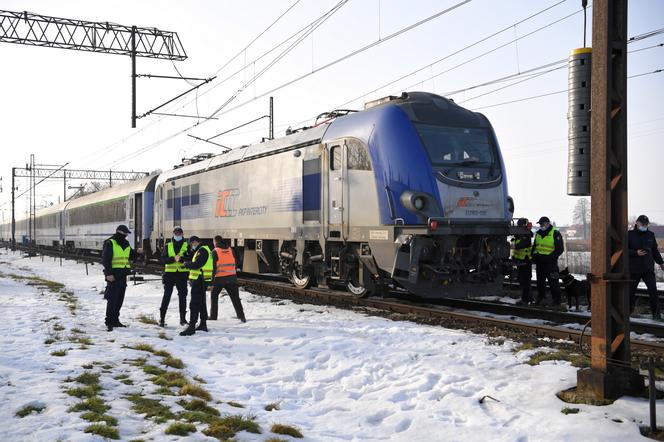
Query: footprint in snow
[[403, 425], [377, 418]]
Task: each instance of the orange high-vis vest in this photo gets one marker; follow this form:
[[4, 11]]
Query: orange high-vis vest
[[225, 265]]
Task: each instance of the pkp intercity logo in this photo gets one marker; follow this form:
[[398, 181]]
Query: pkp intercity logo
[[226, 203]]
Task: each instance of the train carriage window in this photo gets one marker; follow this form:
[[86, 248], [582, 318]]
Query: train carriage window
[[185, 196], [358, 157], [194, 199], [169, 199], [335, 156]]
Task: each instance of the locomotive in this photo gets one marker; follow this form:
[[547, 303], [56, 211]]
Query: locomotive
[[410, 192]]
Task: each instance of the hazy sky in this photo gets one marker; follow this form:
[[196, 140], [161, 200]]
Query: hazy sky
[[70, 106]]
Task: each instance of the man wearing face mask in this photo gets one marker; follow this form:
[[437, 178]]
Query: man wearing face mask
[[116, 256], [643, 254], [175, 275], [200, 275], [547, 248]]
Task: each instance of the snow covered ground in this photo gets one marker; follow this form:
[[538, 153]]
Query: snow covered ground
[[337, 375]]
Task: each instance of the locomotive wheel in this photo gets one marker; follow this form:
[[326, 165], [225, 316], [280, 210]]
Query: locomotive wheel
[[357, 290], [300, 279]]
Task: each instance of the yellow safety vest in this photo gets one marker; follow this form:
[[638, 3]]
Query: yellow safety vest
[[120, 258], [175, 266], [545, 245], [206, 269], [520, 254]]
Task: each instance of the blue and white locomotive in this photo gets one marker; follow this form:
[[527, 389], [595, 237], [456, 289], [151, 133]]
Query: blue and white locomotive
[[409, 192]]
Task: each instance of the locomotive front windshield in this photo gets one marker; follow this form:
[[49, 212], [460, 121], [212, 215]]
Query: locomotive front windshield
[[454, 151]]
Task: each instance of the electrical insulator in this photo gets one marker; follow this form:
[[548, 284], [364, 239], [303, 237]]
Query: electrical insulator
[[578, 119]]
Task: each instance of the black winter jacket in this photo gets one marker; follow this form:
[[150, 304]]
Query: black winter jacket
[[642, 240], [107, 256], [177, 246], [201, 259]]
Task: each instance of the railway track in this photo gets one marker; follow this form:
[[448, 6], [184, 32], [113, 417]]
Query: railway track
[[445, 312]]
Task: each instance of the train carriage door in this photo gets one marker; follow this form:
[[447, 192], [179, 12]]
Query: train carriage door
[[138, 216], [335, 189], [177, 206], [131, 218]]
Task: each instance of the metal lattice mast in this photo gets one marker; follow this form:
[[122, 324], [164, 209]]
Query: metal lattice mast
[[108, 38]]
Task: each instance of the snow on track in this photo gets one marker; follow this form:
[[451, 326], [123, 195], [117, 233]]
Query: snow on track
[[338, 375]]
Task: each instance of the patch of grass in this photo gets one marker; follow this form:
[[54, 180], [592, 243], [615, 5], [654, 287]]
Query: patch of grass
[[88, 378], [152, 370], [58, 327], [29, 409], [172, 362], [107, 366], [87, 366], [51, 340], [81, 340], [151, 408], [198, 405], [275, 439], [273, 406], [200, 380], [103, 430], [170, 379], [197, 416], [138, 362], [141, 347], [94, 404], [164, 391], [226, 427], [577, 360], [91, 416], [52, 318], [80, 392], [195, 390], [121, 376], [180, 429], [145, 319], [524, 346], [287, 430], [568, 410], [162, 353], [235, 404], [162, 335], [59, 353], [127, 382], [77, 330]]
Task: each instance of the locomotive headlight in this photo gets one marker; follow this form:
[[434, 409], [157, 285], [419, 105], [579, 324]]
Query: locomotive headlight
[[419, 203]]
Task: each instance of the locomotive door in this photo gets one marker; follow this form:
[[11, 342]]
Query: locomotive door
[[336, 164], [138, 216]]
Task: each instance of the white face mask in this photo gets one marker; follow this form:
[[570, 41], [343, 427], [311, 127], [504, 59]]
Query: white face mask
[[177, 237], [544, 226], [643, 228]]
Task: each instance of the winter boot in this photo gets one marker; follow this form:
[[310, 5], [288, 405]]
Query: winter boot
[[188, 331], [202, 327]]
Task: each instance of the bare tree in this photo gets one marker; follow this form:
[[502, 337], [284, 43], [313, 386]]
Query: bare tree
[[582, 215]]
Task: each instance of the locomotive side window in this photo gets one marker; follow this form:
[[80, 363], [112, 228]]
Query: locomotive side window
[[335, 156], [358, 157], [194, 199], [169, 199], [185, 196]]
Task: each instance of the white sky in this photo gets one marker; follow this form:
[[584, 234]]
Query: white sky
[[75, 106]]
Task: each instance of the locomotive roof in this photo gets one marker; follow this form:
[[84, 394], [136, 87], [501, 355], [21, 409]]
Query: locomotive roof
[[302, 138]]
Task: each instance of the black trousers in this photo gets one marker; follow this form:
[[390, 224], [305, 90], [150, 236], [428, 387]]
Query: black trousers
[[233, 293], [524, 273], [548, 271], [114, 295], [197, 302], [651, 284], [179, 281]]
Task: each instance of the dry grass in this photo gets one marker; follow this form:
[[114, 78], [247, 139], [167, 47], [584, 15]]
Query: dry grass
[[198, 405], [103, 430], [286, 430], [180, 429], [59, 352], [577, 360], [273, 406], [29, 409], [195, 390], [151, 408], [170, 379], [172, 362], [94, 404], [226, 427]]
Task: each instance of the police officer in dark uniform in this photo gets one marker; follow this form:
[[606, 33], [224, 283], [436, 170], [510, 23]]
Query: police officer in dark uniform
[[200, 274], [521, 251], [225, 277], [643, 254], [116, 256], [547, 248], [175, 275]]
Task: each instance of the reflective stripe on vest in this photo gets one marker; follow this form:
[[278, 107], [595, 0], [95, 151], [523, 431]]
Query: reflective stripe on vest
[[206, 270], [520, 254], [225, 263], [545, 245], [120, 258], [175, 266]]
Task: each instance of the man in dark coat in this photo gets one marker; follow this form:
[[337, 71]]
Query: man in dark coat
[[643, 254], [175, 275], [200, 273], [521, 250], [225, 277], [116, 256], [547, 248]]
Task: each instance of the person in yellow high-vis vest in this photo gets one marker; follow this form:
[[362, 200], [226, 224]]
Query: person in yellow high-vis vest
[[175, 275], [200, 275], [521, 249], [547, 248], [116, 257]]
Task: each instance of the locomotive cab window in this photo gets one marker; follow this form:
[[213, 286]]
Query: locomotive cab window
[[194, 198], [185, 195], [335, 158], [169, 199], [358, 156]]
